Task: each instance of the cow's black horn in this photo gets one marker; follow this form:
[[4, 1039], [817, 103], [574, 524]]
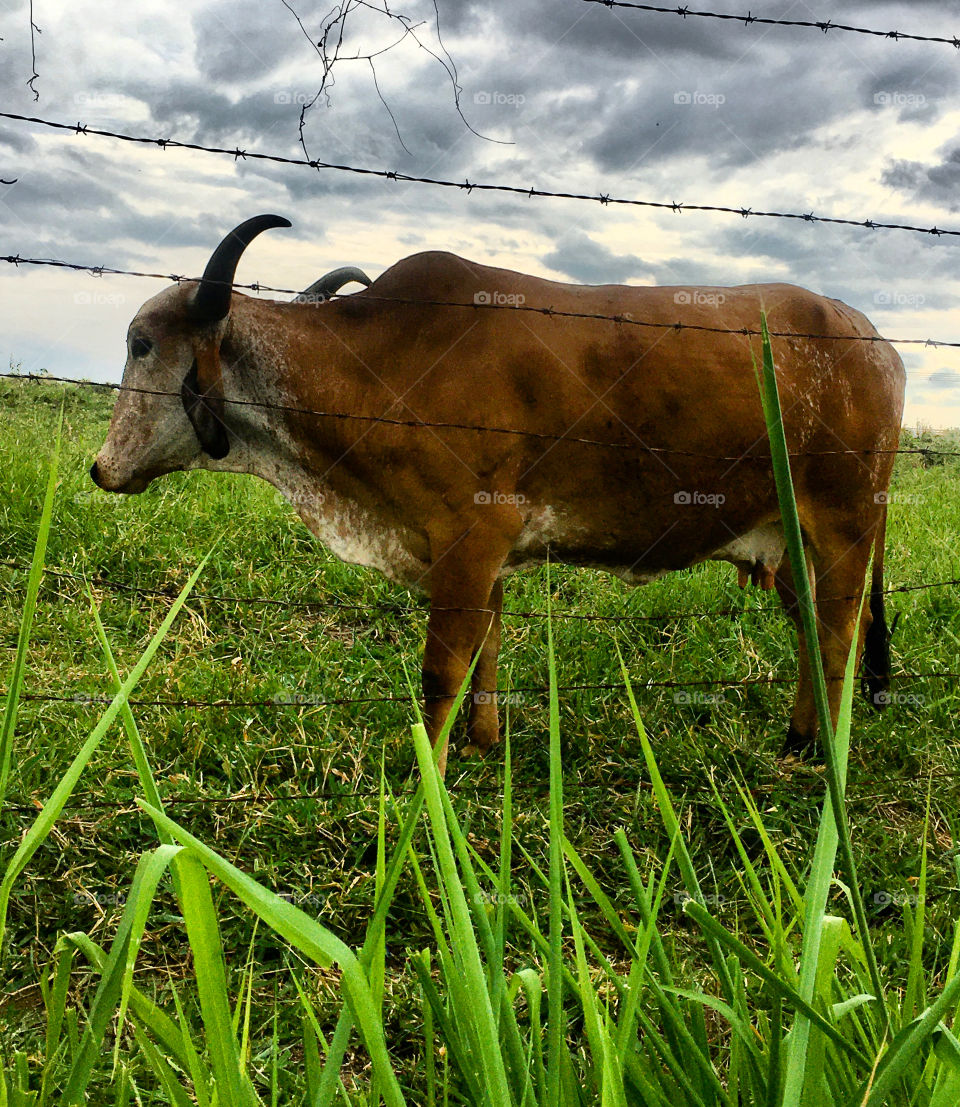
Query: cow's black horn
[[332, 282], [211, 301]]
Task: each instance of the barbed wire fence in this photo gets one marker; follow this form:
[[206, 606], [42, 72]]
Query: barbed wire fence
[[529, 192], [749, 20]]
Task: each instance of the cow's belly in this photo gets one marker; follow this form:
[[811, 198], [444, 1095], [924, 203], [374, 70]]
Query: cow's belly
[[569, 540]]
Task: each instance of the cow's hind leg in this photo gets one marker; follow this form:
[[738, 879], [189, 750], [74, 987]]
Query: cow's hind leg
[[483, 729], [801, 739], [839, 569]]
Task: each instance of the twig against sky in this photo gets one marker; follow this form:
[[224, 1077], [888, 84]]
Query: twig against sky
[[330, 48]]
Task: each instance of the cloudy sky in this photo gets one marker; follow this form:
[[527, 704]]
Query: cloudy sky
[[563, 95]]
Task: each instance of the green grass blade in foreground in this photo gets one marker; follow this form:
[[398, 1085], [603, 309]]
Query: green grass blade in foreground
[[51, 809], [308, 936], [770, 399], [672, 826], [9, 722], [750, 961], [555, 1018], [480, 1014], [341, 1034], [203, 933], [815, 900], [150, 869]]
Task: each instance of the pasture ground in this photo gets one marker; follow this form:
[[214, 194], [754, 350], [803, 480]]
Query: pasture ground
[[248, 768]]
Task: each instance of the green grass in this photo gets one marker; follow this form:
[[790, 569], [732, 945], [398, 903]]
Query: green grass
[[324, 852]]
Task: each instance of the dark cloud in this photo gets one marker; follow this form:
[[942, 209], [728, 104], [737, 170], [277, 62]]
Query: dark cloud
[[585, 261], [937, 183], [943, 379]]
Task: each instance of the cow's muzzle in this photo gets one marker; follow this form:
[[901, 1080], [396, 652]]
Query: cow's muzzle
[[130, 487]]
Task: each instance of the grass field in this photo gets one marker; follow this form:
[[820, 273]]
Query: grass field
[[239, 777]]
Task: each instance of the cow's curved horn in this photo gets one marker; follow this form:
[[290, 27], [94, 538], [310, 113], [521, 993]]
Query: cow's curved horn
[[211, 301], [333, 281]]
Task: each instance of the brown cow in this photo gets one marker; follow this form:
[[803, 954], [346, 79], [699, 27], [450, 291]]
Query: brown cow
[[634, 449]]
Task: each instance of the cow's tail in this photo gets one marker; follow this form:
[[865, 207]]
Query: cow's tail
[[875, 675]]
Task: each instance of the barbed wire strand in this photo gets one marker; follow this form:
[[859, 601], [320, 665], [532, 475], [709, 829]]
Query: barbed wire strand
[[637, 445], [468, 186], [294, 699], [747, 20], [791, 772], [621, 318], [172, 592]]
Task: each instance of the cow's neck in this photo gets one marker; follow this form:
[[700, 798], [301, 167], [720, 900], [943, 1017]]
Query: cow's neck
[[271, 376]]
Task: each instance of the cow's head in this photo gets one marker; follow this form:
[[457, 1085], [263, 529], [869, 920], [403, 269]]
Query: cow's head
[[170, 411]]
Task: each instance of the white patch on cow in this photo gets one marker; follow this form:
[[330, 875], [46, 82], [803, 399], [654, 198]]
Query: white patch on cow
[[764, 544], [548, 526], [360, 538]]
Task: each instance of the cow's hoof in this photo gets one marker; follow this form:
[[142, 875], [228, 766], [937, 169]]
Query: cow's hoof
[[799, 745]]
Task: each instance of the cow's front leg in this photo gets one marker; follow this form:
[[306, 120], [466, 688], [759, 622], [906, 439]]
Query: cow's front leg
[[463, 576]]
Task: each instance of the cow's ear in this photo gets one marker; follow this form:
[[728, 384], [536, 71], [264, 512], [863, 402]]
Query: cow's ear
[[202, 395]]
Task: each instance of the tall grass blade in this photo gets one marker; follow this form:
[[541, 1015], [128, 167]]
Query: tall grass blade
[[307, 935], [26, 621], [51, 809], [555, 1017], [770, 398]]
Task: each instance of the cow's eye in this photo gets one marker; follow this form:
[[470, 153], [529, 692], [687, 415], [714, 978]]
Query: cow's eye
[[140, 347]]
